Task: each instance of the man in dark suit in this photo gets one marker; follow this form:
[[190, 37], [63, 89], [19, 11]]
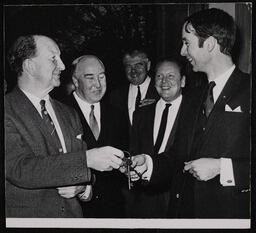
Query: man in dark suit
[[90, 86], [152, 135], [140, 89], [215, 143], [47, 162]]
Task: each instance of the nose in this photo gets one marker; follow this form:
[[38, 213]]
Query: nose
[[61, 65], [97, 83], [183, 50]]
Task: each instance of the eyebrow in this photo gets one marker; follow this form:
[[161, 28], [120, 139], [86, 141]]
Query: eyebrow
[[85, 75]]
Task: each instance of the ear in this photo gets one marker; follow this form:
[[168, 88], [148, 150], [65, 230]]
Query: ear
[[148, 65], [183, 81], [210, 42], [75, 81], [28, 66]]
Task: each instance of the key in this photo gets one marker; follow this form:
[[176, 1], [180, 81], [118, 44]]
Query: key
[[127, 163]]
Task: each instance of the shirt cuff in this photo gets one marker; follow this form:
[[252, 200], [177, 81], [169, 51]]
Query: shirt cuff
[[148, 173], [87, 194], [226, 172]]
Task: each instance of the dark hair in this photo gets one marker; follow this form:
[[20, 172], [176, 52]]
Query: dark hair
[[24, 47], [135, 52], [174, 60], [213, 22]]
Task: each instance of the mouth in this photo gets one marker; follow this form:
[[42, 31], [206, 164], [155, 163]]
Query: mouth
[[189, 59]]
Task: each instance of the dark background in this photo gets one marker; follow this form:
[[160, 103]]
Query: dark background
[[107, 30]]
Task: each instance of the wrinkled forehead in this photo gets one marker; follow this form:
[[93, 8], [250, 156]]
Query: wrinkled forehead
[[129, 59], [46, 45]]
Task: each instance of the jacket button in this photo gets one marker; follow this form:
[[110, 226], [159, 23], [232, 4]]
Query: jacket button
[[177, 195], [62, 209], [203, 128], [60, 150]]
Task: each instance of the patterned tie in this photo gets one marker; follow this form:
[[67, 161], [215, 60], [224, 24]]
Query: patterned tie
[[93, 124], [138, 98], [209, 102], [49, 123], [162, 128]]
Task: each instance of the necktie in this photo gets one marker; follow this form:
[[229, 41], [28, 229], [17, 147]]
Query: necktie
[[93, 123], [49, 123], [162, 127], [209, 102], [138, 98]]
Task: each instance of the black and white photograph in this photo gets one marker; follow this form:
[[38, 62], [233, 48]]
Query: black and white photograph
[[128, 117]]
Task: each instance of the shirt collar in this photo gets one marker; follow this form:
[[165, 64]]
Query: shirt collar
[[34, 99], [223, 78], [173, 103], [144, 85], [85, 103]]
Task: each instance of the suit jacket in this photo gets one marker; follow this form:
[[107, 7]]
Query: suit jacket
[[34, 165], [223, 134], [145, 201], [107, 200], [119, 98]]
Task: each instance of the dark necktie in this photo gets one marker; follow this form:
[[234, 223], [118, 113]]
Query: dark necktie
[[49, 123], [138, 98], [162, 128], [209, 102], [93, 123]]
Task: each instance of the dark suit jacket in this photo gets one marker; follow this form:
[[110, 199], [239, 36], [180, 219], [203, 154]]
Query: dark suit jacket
[[107, 200], [119, 97], [224, 134], [145, 201], [34, 165]]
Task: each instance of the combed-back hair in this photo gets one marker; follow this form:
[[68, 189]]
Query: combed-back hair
[[216, 23], [23, 48]]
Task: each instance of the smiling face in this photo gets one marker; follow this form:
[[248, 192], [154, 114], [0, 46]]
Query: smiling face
[[168, 81], [90, 80], [47, 64], [198, 57], [136, 68]]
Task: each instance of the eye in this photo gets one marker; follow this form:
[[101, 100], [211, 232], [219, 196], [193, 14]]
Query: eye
[[102, 76]]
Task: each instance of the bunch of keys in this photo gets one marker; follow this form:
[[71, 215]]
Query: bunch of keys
[[127, 162]]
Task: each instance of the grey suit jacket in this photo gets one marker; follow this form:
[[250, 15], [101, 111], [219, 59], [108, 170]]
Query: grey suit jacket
[[34, 165]]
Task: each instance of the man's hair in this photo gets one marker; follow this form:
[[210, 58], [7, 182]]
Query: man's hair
[[135, 52], [174, 60], [23, 48], [216, 23]]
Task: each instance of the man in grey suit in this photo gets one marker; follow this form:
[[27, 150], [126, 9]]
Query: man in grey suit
[[47, 163]]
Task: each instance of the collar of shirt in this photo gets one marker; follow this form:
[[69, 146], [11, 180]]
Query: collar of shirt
[[133, 94], [220, 81], [172, 113], [86, 109], [36, 102]]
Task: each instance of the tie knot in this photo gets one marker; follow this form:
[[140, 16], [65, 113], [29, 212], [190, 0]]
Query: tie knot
[[92, 107], [42, 103], [138, 88], [211, 85], [167, 105]]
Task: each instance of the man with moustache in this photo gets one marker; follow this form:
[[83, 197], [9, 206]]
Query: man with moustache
[[108, 129], [140, 89], [215, 145], [48, 166], [153, 133]]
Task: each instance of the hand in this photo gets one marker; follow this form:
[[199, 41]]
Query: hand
[[104, 158], [146, 102], [139, 166], [203, 169], [70, 191]]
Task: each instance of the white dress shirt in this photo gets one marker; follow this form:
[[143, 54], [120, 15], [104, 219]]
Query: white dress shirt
[[36, 102], [132, 94], [172, 113], [86, 109]]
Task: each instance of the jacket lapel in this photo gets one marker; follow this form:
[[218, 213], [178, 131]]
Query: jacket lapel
[[231, 88]]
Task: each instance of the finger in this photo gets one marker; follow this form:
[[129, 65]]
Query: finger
[[187, 166], [116, 152], [115, 160]]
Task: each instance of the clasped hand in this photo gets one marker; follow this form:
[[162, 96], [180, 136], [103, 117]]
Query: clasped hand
[[138, 167], [203, 169]]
